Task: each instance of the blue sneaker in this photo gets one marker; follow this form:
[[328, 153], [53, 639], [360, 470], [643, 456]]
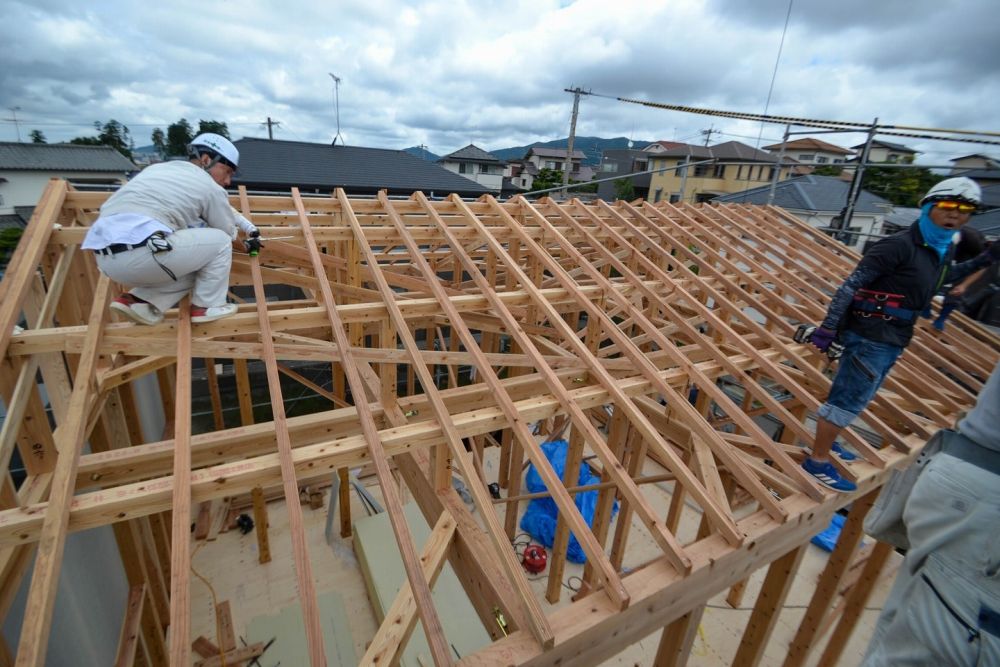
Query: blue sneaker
[[842, 453], [828, 475]]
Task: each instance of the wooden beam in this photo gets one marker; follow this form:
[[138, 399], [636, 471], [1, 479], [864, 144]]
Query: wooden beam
[[180, 534], [52, 542], [390, 639], [770, 600], [128, 640]]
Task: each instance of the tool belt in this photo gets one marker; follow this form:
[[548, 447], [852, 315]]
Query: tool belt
[[870, 303]]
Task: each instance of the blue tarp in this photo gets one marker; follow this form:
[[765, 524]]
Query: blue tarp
[[539, 520]]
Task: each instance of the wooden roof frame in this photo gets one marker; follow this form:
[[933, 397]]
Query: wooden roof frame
[[599, 320]]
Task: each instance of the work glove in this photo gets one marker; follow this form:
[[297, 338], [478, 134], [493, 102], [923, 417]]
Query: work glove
[[253, 243], [822, 338]]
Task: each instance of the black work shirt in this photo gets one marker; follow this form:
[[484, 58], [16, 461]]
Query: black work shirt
[[899, 264]]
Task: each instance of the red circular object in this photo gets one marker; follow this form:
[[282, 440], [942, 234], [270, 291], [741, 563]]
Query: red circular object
[[534, 558]]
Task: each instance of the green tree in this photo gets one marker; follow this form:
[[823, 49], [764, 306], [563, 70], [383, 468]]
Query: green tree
[[8, 241], [116, 135], [159, 141], [624, 189], [902, 187], [547, 178], [112, 134], [214, 126], [179, 135], [37, 137], [828, 170]]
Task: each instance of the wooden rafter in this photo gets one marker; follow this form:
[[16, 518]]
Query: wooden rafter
[[639, 331]]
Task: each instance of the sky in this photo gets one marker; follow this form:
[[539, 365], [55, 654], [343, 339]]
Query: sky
[[447, 73]]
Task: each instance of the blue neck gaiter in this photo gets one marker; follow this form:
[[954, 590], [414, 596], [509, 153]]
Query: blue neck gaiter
[[936, 237]]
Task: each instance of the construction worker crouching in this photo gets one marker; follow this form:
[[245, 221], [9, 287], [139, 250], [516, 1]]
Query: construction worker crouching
[[873, 312], [168, 232]]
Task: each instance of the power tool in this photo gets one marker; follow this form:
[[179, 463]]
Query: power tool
[[804, 333]]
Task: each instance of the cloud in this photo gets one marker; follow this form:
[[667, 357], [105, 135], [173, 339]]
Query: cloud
[[448, 73]]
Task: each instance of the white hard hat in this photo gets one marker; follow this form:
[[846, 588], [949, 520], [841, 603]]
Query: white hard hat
[[218, 144], [956, 189]]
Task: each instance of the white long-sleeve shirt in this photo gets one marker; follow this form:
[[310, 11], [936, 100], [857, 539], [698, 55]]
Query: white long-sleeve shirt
[[166, 197]]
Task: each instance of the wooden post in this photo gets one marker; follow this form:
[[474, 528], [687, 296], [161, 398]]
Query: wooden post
[[261, 524], [771, 599]]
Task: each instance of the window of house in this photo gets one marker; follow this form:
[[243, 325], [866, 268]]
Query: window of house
[[701, 170], [770, 173], [551, 164], [463, 168], [641, 166], [893, 158], [484, 169], [822, 159], [838, 160], [739, 173], [719, 171], [674, 198], [807, 157], [657, 195]]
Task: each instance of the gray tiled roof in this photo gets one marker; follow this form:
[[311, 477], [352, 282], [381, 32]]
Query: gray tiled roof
[[62, 157], [279, 165], [809, 193], [732, 151], [470, 153], [886, 144], [555, 152]]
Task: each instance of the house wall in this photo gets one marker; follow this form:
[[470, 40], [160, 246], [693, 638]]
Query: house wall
[[882, 154], [24, 188], [860, 222], [730, 178], [493, 179]]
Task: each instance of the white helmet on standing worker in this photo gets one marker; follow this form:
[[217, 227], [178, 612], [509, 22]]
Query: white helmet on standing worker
[[955, 189], [215, 146]]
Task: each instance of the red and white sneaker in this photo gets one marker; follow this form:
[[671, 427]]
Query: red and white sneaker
[[212, 313], [137, 310]]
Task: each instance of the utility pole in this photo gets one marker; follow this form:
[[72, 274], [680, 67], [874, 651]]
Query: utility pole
[[270, 127], [17, 125], [852, 194], [568, 165], [777, 169], [708, 133], [336, 104]]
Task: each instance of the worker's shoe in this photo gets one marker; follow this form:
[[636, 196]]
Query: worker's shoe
[[212, 313], [825, 472], [842, 453], [137, 310]]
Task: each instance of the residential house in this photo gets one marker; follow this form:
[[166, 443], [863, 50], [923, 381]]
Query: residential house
[[812, 152], [817, 200], [622, 162], [727, 167], [985, 177], [661, 146], [25, 170], [974, 161], [277, 166], [555, 159], [474, 163], [884, 151], [520, 174]]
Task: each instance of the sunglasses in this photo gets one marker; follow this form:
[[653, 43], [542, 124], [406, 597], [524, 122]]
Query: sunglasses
[[955, 206]]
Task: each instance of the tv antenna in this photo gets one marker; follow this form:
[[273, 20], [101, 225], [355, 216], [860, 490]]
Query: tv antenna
[[336, 105]]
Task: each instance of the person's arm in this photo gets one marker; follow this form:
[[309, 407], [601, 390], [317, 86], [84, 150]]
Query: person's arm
[[959, 289], [958, 272], [244, 225], [219, 214], [862, 276]]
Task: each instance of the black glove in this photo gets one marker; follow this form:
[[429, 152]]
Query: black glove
[[253, 243]]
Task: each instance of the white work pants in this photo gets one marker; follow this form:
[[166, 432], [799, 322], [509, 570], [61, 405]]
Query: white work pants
[[943, 609], [199, 258]]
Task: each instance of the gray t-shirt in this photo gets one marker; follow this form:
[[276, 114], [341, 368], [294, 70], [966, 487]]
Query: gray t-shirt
[[982, 424]]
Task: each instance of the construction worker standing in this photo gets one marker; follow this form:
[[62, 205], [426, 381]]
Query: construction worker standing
[[874, 310], [168, 232]]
